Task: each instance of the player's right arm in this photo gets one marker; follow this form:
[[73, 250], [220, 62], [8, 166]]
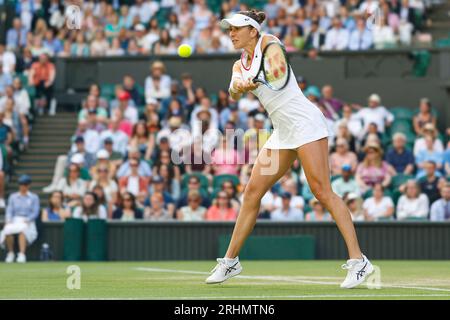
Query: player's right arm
[[238, 84]]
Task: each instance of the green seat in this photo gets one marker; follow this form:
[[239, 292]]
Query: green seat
[[400, 179], [402, 125], [108, 90], [219, 179], [31, 91], [415, 219], [402, 113], [204, 183], [335, 177]]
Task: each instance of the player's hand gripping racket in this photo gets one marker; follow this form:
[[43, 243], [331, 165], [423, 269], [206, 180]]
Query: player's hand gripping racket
[[274, 71]]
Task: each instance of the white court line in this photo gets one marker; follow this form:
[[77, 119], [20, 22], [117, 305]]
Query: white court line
[[288, 279]]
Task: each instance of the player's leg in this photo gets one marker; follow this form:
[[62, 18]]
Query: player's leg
[[270, 166], [22, 248], [9, 240], [314, 159]]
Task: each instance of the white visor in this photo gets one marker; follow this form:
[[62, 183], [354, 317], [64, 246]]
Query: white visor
[[240, 20]]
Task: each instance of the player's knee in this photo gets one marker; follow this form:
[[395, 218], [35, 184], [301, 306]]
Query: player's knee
[[252, 193], [322, 192]]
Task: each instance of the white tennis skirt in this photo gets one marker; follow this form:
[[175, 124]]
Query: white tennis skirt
[[296, 123]]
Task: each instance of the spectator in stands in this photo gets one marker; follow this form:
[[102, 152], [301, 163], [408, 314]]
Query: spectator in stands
[[72, 186], [7, 59], [102, 177], [56, 210], [134, 182], [23, 102], [79, 148], [158, 186], [20, 216], [79, 48], [118, 138], [429, 154], [225, 159], [5, 80], [383, 34], [429, 130], [193, 211], [353, 122], [346, 183], [337, 38], [157, 84], [361, 37], [229, 187], [287, 212], [16, 37], [399, 157], [129, 85], [157, 212], [51, 43], [447, 160], [12, 118], [222, 209], [99, 46], [424, 117], [140, 139], [127, 209], [430, 183], [177, 134], [315, 38], [440, 209], [129, 112], [373, 170], [375, 113], [378, 206], [333, 106], [318, 212], [353, 202], [412, 204], [16, 115], [42, 76], [90, 208], [342, 156]]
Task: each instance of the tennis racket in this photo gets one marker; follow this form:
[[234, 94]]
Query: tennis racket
[[274, 71]]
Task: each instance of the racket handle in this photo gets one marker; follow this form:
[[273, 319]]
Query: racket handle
[[256, 80]]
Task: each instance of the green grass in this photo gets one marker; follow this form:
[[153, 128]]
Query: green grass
[[260, 280]]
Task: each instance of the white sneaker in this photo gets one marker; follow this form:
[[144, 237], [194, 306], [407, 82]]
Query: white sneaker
[[21, 258], [358, 270], [2, 203], [10, 257], [225, 269]]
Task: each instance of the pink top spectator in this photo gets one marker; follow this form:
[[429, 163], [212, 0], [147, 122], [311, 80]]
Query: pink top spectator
[[337, 161], [372, 175], [216, 214], [225, 161]]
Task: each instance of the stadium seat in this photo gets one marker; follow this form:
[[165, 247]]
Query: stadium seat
[[221, 178], [403, 126], [402, 113], [204, 183], [107, 90], [400, 179]]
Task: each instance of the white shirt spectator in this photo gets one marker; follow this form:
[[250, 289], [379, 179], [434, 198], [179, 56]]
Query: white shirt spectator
[[336, 39], [101, 213], [148, 40], [376, 210], [292, 214], [79, 187], [177, 138], [368, 6], [360, 39], [157, 93], [412, 208], [22, 100], [119, 138], [131, 114], [145, 11], [420, 145], [296, 202], [246, 105], [378, 115], [383, 35], [354, 124], [9, 62], [439, 210], [92, 141]]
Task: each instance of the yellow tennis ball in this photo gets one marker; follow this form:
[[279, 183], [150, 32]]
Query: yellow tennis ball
[[184, 50]]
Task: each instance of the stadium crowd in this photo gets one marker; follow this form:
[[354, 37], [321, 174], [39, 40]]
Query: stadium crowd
[[160, 151], [142, 27]]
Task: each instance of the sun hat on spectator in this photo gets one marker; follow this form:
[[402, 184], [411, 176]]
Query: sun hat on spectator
[[373, 145], [139, 27], [175, 122], [260, 117], [374, 97], [77, 158], [313, 91], [24, 179], [102, 154], [124, 95], [351, 196], [157, 179], [429, 127], [346, 167]]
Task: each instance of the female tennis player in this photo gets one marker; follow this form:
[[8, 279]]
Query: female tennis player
[[299, 131]]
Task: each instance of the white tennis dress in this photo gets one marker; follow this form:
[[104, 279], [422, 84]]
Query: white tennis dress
[[295, 119]]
